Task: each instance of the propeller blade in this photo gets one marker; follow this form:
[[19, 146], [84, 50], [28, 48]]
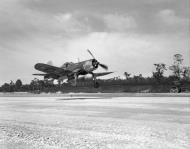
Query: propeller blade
[[103, 66], [90, 53]]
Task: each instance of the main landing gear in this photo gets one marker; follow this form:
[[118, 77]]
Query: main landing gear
[[96, 84], [73, 80]]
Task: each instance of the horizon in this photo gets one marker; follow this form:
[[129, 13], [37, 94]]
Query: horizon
[[127, 35]]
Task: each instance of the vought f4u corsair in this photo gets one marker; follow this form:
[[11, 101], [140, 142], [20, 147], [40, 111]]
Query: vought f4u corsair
[[71, 71]]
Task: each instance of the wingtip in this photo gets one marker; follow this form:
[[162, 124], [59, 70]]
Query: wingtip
[[38, 65]]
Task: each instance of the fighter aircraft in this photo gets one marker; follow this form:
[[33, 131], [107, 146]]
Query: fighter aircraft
[[71, 71]]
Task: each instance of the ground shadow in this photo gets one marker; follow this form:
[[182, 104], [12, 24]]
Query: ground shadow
[[80, 98]]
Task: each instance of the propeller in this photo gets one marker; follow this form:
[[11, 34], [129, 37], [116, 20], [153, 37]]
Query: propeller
[[98, 63], [103, 66], [90, 53]]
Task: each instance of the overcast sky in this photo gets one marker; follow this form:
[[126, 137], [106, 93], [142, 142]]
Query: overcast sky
[[127, 35]]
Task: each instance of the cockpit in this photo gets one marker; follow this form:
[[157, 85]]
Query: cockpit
[[67, 64]]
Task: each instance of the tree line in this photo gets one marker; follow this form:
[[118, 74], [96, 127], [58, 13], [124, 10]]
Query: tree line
[[180, 74]]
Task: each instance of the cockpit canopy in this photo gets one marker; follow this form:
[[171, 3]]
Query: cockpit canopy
[[67, 64]]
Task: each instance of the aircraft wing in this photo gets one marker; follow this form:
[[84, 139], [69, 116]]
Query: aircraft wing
[[36, 74], [102, 74], [51, 69]]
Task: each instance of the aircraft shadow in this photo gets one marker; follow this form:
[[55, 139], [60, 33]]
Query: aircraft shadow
[[80, 98]]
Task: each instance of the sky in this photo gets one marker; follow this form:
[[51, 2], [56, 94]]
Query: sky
[[127, 35]]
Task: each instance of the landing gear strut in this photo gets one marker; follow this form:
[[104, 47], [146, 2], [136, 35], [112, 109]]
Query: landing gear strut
[[73, 80], [96, 84]]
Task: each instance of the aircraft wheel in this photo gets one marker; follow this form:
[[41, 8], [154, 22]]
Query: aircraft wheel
[[96, 85]]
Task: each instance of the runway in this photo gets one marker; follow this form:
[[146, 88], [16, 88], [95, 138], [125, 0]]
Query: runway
[[96, 122]]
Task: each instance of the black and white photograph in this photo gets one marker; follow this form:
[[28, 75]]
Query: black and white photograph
[[94, 74]]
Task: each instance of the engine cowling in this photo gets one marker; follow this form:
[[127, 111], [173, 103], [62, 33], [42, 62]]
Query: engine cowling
[[90, 65], [95, 63]]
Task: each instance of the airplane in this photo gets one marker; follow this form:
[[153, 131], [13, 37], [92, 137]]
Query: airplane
[[71, 71]]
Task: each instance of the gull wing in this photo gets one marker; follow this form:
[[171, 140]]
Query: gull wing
[[39, 74], [51, 69], [102, 74]]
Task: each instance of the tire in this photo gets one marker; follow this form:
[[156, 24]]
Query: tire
[[96, 85]]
